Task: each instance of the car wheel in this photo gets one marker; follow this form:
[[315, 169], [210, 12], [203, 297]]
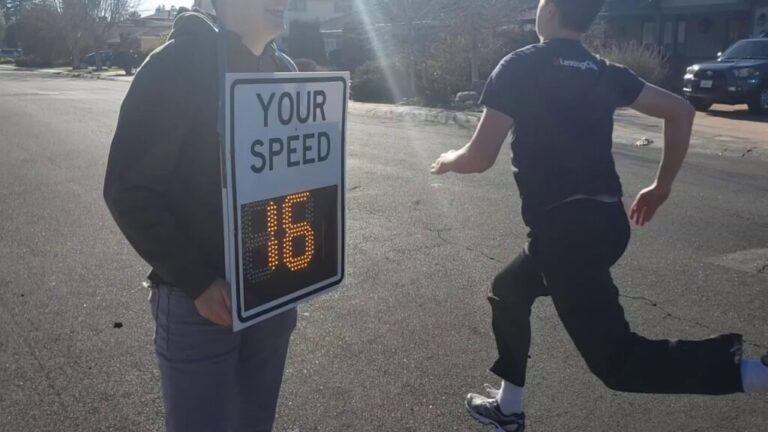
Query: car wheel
[[760, 104], [700, 104]]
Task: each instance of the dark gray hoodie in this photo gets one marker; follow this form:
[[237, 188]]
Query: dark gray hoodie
[[163, 180]]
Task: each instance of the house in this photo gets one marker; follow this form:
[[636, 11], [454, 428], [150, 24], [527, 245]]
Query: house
[[331, 14], [688, 30], [332, 31], [321, 10], [143, 34]]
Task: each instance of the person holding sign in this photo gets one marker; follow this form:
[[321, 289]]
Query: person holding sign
[[163, 188], [561, 99]]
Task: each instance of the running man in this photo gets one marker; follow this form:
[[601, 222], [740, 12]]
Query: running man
[[560, 98]]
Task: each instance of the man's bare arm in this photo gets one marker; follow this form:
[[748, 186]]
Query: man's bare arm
[[678, 118], [481, 152]]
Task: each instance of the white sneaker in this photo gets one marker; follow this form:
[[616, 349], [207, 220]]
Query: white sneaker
[[486, 411]]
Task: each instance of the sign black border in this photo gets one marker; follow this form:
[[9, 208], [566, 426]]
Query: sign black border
[[343, 191]]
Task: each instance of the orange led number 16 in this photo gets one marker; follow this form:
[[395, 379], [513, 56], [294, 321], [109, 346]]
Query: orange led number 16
[[292, 231]]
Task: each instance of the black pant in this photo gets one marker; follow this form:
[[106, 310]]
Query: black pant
[[569, 256]]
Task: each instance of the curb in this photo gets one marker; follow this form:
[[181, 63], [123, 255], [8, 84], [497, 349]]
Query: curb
[[702, 142], [70, 74], [462, 119], [84, 75]]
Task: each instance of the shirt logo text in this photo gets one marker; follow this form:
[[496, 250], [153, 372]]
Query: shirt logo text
[[576, 64]]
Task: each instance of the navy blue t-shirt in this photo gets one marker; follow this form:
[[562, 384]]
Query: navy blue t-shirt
[[562, 99]]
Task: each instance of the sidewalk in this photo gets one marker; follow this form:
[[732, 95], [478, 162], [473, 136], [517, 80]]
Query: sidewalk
[[723, 130], [463, 119], [111, 74]]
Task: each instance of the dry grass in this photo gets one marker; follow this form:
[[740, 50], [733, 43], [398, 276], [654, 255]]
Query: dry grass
[[649, 61]]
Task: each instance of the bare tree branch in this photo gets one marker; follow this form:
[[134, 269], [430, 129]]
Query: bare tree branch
[[91, 20]]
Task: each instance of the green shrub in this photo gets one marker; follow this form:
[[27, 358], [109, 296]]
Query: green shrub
[[445, 70], [6, 60], [649, 62], [370, 83]]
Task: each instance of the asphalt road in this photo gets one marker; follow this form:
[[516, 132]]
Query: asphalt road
[[408, 335]]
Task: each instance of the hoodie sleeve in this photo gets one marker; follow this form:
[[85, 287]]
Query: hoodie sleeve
[[149, 136]]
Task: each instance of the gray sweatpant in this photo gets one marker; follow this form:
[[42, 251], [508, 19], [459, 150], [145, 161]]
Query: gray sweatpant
[[215, 380]]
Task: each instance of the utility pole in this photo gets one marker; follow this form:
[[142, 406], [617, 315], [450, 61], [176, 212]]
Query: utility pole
[[473, 30]]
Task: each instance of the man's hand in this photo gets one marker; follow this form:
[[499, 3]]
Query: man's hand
[[647, 203], [445, 162], [214, 303]]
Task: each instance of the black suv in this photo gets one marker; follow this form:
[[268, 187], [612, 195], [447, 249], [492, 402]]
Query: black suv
[[105, 56], [739, 76]]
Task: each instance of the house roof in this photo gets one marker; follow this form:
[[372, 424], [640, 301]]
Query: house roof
[[141, 28], [162, 15], [335, 24], [649, 7], [528, 15], [630, 7]]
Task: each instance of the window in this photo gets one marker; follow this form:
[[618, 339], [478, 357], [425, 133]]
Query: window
[[649, 32], [298, 5], [681, 31], [668, 33], [738, 28], [330, 45]]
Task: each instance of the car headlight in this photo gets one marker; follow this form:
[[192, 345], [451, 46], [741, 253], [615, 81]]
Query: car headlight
[[692, 69], [746, 73]]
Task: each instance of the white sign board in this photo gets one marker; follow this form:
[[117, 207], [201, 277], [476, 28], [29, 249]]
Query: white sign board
[[284, 154]]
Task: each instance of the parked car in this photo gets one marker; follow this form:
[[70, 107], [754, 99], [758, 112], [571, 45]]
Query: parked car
[[106, 59], [12, 53], [738, 76], [128, 61]]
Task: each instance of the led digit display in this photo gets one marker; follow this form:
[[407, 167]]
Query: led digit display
[[289, 242]]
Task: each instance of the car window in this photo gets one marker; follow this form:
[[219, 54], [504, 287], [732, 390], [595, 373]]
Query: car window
[[748, 49]]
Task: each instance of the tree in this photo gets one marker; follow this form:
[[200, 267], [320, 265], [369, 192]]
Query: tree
[[42, 35], [88, 22], [403, 17], [11, 37], [355, 45], [479, 23], [443, 44], [2, 29], [13, 9]]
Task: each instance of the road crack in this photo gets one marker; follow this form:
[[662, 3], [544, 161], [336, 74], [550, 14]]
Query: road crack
[[46, 372], [440, 231]]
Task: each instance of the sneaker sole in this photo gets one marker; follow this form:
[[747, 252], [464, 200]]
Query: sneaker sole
[[483, 420]]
